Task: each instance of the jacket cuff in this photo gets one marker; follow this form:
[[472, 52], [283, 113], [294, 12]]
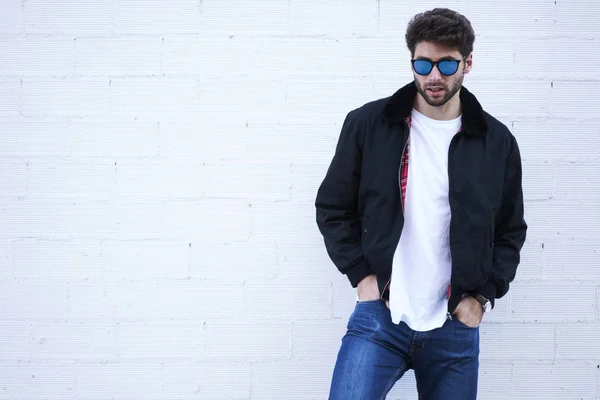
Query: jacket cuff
[[358, 271], [488, 291]]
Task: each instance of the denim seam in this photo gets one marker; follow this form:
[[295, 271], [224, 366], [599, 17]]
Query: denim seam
[[394, 380]]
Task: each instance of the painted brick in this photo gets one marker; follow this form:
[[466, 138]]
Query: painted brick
[[12, 96], [68, 180], [225, 344], [538, 180], [88, 17], [306, 180], [144, 301], [334, 97], [578, 342], [305, 260], [156, 259], [501, 310], [523, 98], [292, 142], [386, 88], [577, 18], [545, 58], [238, 17], [517, 342], [548, 303], [240, 181], [242, 95], [395, 15], [11, 16], [206, 381], [150, 179], [555, 219], [201, 139], [344, 297], [495, 381], [188, 56], [13, 180], [117, 137], [561, 381], [188, 220], [65, 97], [233, 261], [567, 99], [16, 343], [70, 342], [577, 182], [287, 299], [116, 57], [155, 343], [37, 380], [132, 220], [493, 57], [270, 380], [315, 56], [570, 259], [143, 96], [57, 260], [6, 258], [126, 379], [531, 263], [33, 219], [512, 18], [318, 340], [155, 17], [285, 222], [24, 302], [336, 17], [24, 137], [543, 141], [37, 57]]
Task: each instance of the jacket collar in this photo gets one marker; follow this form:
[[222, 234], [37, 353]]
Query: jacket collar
[[400, 104]]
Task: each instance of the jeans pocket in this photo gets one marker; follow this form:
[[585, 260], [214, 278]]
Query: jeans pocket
[[368, 301], [462, 324]]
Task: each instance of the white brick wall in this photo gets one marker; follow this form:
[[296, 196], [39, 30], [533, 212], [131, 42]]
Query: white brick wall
[[158, 167]]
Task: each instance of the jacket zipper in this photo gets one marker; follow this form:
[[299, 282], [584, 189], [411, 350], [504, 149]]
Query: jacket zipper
[[452, 142], [401, 201]]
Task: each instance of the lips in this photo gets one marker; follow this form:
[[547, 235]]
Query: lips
[[435, 90]]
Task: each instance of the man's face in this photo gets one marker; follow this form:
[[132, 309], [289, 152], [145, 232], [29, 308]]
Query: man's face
[[435, 87]]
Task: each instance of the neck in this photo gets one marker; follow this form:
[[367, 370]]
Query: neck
[[450, 110]]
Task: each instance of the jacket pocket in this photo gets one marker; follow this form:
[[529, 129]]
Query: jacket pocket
[[489, 246], [364, 236]]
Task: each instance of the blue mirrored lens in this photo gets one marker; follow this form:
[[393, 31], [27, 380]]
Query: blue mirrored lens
[[422, 67], [448, 67]]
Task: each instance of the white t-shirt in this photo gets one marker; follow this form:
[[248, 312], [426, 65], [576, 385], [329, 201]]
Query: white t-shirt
[[422, 265]]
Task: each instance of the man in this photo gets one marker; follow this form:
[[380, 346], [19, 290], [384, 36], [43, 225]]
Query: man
[[422, 209]]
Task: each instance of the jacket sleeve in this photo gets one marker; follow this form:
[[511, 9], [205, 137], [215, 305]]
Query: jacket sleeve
[[336, 203], [510, 227]]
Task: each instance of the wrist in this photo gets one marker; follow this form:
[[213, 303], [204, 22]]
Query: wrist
[[485, 303]]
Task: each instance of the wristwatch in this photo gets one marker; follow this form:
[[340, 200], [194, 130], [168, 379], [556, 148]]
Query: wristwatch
[[485, 303]]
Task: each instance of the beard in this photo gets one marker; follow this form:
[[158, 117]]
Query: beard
[[449, 92]]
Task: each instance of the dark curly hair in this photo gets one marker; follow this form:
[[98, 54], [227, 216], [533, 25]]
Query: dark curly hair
[[443, 26]]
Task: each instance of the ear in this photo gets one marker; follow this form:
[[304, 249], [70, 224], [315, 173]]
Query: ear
[[468, 63]]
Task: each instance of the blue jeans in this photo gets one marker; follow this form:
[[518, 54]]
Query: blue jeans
[[375, 353]]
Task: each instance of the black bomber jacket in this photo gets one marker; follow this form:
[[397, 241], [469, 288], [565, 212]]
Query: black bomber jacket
[[359, 208]]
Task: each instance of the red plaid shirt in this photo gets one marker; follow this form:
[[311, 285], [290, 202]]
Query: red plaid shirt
[[404, 168]]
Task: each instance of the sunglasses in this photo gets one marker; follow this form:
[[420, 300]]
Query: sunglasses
[[446, 67]]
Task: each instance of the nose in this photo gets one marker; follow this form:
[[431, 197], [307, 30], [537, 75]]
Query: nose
[[434, 75]]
